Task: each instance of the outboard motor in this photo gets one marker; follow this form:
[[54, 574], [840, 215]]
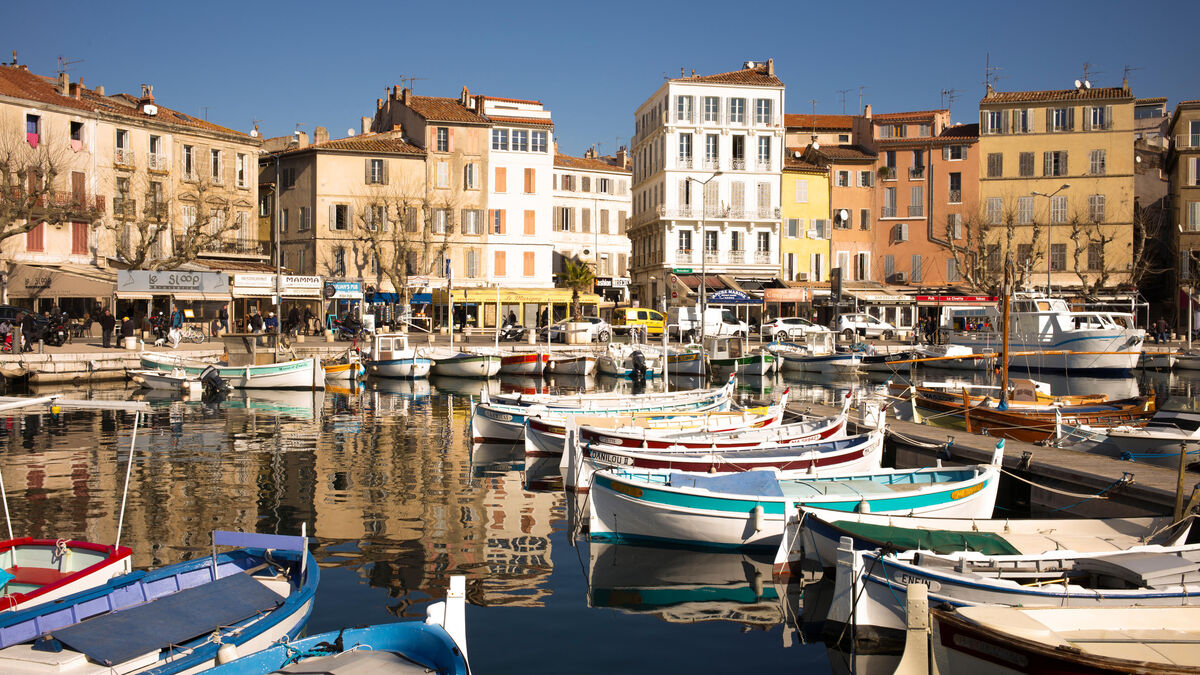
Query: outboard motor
[[638, 370], [214, 385]]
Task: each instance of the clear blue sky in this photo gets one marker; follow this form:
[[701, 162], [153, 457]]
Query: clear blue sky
[[592, 63]]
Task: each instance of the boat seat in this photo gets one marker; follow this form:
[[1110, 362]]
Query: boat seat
[[36, 576], [758, 483], [842, 488], [358, 662], [1144, 569]]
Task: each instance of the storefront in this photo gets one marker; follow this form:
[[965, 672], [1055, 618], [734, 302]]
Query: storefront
[[479, 307], [739, 302], [342, 297], [78, 291], [896, 309], [612, 289], [140, 293], [252, 291], [806, 302]]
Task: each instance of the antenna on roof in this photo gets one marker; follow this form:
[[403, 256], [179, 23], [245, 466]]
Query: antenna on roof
[[860, 96], [62, 63], [842, 93], [949, 96], [813, 101], [205, 109], [991, 73], [1125, 77], [410, 81], [1089, 68]]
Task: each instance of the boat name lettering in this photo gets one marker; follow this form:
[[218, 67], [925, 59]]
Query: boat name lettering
[[501, 417], [966, 492], [906, 579], [635, 492], [613, 460], [988, 649], [609, 440]]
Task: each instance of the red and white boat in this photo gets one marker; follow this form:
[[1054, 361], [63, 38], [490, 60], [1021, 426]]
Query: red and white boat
[[42, 570], [527, 363]]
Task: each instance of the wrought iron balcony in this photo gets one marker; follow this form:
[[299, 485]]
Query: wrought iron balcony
[[762, 257], [124, 207], [955, 196], [685, 162], [683, 255], [916, 173], [711, 257], [887, 212], [158, 162], [737, 256], [737, 164], [916, 211], [123, 157], [712, 163]]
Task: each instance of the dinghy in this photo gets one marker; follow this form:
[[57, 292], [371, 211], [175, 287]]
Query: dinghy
[[571, 364], [527, 363], [729, 355], [346, 367], [40, 570], [748, 509], [174, 619], [436, 645], [391, 356], [297, 374], [686, 360], [463, 364], [618, 360]]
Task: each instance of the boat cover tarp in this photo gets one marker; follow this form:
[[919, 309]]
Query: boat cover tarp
[[757, 483], [938, 541], [171, 620]]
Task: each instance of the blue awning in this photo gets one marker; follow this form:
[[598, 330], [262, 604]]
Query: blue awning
[[728, 296], [422, 299], [383, 297]]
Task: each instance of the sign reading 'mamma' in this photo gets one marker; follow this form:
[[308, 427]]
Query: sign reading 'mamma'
[[173, 281]]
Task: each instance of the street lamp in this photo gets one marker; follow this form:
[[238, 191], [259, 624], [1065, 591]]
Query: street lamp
[[703, 256], [1049, 222]]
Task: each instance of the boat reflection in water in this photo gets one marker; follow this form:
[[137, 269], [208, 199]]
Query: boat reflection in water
[[683, 585]]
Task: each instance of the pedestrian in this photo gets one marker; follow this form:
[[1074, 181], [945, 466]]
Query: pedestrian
[[293, 320], [308, 321], [127, 327], [272, 323], [1161, 330], [223, 319], [255, 322], [107, 323]]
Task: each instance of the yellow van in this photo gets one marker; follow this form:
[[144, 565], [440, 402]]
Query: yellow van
[[626, 317]]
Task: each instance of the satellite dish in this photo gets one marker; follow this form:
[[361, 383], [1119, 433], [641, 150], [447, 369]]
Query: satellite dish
[[816, 145], [796, 154], [1078, 84], [254, 133], [1087, 85], [349, 132], [150, 109], [843, 215]]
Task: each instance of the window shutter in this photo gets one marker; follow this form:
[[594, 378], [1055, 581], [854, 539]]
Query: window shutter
[[946, 153], [500, 179], [1045, 163], [349, 217], [1108, 120], [1003, 123], [555, 181], [983, 122], [367, 171], [332, 215], [462, 221], [1087, 118], [503, 226], [385, 171], [964, 152], [1065, 170], [1049, 119], [1070, 119], [683, 193], [530, 223]]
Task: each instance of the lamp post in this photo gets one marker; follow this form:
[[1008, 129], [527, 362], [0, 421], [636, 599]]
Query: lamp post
[[703, 257], [1049, 222]]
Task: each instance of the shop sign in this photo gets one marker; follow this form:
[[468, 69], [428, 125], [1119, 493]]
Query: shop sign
[[303, 286], [956, 298], [604, 282], [620, 282], [728, 296], [166, 283], [884, 298], [682, 270], [343, 289], [254, 280]]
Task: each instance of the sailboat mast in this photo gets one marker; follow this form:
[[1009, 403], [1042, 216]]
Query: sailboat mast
[[1004, 342]]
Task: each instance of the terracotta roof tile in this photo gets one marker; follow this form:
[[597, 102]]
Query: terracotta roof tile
[[1056, 95], [511, 100], [382, 142], [756, 76], [805, 121], [790, 161], [522, 120], [18, 82], [1153, 99], [439, 109], [127, 106], [845, 152], [912, 114], [964, 131], [586, 164]]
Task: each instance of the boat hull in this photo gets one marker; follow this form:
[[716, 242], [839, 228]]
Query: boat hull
[[298, 374], [475, 366], [757, 364], [18, 554], [572, 365], [344, 372], [1100, 352], [523, 364], [405, 368], [690, 363]]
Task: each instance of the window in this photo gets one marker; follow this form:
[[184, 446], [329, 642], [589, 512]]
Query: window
[[864, 219], [375, 218], [1096, 162], [683, 108], [915, 275], [685, 241], [899, 233], [563, 218], [34, 239], [443, 139], [1022, 121], [214, 165], [1098, 117], [866, 178], [712, 106], [79, 238], [1026, 164], [955, 182], [889, 158], [956, 227], [1024, 254], [520, 140], [685, 148], [77, 133], [1054, 163], [1058, 209], [538, 143], [862, 266], [1058, 257], [1096, 208], [288, 177], [995, 164], [993, 122], [283, 220], [762, 111], [500, 139], [952, 275], [470, 180], [530, 260], [889, 203], [956, 152], [189, 166], [531, 181], [992, 261], [916, 201], [764, 242], [889, 267], [122, 139], [735, 241], [764, 152], [843, 179], [1095, 256], [801, 191], [924, 130], [305, 219], [472, 221], [33, 133], [711, 150], [241, 169], [710, 241], [339, 261], [604, 186], [375, 171], [339, 217], [498, 264], [1024, 210], [793, 228], [739, 152], [1059, 119], [443, 174], [995, 208], [264, 205], [501, 182], [441, 220], [737, 111], [1194, 216]]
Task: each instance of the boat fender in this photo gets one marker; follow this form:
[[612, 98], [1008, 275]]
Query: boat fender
[[226, 653], [863, 507], [758, 518]]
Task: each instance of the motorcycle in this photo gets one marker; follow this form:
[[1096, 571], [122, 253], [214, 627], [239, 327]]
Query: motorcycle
[[348, 330], [512, 332], [54, 332]]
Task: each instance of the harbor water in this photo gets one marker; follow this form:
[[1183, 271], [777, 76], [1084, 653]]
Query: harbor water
[[396, 500]]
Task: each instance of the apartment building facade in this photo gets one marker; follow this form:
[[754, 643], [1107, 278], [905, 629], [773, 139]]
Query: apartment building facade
[[852, 205], [804, 242], [1056, 184], [707, 158], [591, 218], [1183, 224]]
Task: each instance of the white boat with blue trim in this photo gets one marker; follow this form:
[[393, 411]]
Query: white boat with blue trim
[[298, 374], [391, 356], [471, 364], [749, 509]]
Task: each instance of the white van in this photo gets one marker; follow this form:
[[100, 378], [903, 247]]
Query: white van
[[685, 321]]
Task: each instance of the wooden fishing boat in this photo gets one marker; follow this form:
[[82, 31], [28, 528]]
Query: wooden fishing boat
[[869, 585], [463, 364], [955, 357], [346, 367], [1044, 640], [814, 534], [747, 510], [571, 364], [524, 363], [618, 360], [885, 362], [436, 645], [728, 355], [391, 356], [1022, 394], [41, 570], [686, 361], [503, 420], [175, 380], [174, 619], [297, 374]]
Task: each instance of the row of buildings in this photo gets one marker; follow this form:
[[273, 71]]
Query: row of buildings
[[1087, 189]]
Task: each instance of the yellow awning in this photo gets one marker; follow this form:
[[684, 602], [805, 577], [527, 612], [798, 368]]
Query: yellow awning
[[514, 296]]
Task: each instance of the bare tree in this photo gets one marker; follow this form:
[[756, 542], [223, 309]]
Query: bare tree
[[30, 189], [1086, 233], [1149, 252], [972, 256], [405, 231], [143, 235]]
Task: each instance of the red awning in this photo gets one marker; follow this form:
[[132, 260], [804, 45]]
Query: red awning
[[692, 281]]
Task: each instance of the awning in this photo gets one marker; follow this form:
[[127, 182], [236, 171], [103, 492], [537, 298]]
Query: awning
[[34, 281], [421, 299], [514, 296], [381, 297], [712, 281], [202, 297], [729, 296]]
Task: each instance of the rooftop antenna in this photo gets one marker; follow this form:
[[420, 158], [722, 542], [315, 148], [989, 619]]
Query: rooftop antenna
[[949, 96], [1089, 68], [205, 109], [63, 63], [1129, 69], [842, 93], [813, 101], [991, 73], [860, 97], [410, 81]]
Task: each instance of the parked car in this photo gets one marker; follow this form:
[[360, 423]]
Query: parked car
[[628, 318], [865, 325], [790, 327], [598, 330], [685, 321]]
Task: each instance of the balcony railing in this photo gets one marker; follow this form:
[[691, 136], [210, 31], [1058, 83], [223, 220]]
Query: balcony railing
[[737, 256], [769, 121], [711, 256], [955, 196], [712, 163], [157, 162], [737, 164], [1187, 141], [682, 212], [683, 255], [762, 257], [916, 173], [156, 210], [244, 247], [124, 207], [764, 164], [123, 156], [684, 117], [685, 162], [916, 210], [888, 212], [71, 201]]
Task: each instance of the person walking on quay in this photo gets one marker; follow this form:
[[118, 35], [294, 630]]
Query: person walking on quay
[[28, 331], [223, 319], [309, 329], [1161, 328], [107, 323], [293, 320], [272, 323], [255, 322]]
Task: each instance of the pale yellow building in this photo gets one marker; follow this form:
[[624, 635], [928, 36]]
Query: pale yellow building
[[1031, 145], [804, 245]]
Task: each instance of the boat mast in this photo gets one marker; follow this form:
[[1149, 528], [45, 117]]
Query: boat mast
[[1004, 339]]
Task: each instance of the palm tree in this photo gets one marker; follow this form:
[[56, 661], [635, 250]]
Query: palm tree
[[577, 276]]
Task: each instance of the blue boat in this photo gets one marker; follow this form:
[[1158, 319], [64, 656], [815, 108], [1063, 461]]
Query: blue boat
[[436, 645], [174, 619]]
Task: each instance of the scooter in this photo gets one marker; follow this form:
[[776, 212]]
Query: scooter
[[55, 333], [512, 332]]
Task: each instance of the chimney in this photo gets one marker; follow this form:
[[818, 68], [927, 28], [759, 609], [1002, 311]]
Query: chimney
[[590, 153], [464, 98], [867, 111], [365, 125], [622, 157], [693, 72], [147, 94], [64, 83], [682, 71], [405, 95], [320, 135], [100, 90], [75, 89], [771, 67], [395, 92], [398, 130], [379, 104], [301, 139]]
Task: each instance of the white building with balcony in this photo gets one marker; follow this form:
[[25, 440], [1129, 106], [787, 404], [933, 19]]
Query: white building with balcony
[[591, 218], [707, 158]]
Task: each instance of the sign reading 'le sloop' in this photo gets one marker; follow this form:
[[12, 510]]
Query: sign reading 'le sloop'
[[171, 281]]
